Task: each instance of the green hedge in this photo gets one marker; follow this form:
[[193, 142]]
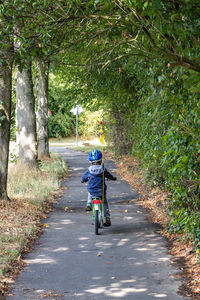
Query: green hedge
[[161, 126]]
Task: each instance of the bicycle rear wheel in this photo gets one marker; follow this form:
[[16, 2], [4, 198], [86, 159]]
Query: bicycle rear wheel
[[96, 221], [100, 218]]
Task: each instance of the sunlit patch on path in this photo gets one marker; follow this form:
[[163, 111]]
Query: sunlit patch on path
[[129, 260]]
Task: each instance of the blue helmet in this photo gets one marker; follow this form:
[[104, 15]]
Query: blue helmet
[[95, 156]]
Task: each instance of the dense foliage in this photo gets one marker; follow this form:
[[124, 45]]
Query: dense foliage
[[153, 113], [61, 122]]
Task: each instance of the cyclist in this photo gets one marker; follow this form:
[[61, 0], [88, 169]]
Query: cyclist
[[94, 176]]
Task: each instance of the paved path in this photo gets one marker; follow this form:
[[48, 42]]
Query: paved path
[[129, 260]]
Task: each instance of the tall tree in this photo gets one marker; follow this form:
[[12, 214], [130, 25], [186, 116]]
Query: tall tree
[[42, 108], [6, 63], [5, 115], [25, 115]]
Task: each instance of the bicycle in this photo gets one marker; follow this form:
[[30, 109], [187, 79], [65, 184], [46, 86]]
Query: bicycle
[[97, 216]]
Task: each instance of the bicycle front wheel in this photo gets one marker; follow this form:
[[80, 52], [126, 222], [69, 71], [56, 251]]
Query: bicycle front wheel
[[96, 221]]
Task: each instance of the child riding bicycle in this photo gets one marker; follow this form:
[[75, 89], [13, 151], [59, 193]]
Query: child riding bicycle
[[94, 176]]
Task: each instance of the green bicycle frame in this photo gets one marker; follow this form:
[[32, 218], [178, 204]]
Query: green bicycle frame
[[99, 207]]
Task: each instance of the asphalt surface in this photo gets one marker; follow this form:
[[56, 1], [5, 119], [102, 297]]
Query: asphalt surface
[[128, 260]]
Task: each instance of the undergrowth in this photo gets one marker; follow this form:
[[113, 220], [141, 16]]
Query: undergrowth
[[31, 192]]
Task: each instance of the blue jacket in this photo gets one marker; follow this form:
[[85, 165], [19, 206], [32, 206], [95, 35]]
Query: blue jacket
[[94, 176]]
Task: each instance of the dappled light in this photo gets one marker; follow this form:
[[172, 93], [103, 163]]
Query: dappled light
[[128, 218], [66, 222], [78, 169], [159, 296], [142, 249], [40, 260], [122, 242], [115, 290], [125, 261], [104, 252], [103, 245], [61, 249], [83, 238], [164, 259]]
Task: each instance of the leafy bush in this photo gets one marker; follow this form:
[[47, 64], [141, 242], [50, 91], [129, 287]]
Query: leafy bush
[[89, 123], [61, 125]]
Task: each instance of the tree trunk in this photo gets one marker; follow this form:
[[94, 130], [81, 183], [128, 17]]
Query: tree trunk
[[42, 113], [5, 113], [25, 116]]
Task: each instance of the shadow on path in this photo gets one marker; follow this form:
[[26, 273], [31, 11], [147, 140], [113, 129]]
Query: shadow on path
[[129, 260]]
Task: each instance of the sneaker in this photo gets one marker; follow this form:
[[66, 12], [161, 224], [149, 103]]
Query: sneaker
[[108, 222], [88, 207]]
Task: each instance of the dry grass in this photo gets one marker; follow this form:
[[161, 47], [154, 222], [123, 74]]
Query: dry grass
[[31, 192], [154, 199]]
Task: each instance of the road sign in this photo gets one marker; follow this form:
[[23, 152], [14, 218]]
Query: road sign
[[77, 110]]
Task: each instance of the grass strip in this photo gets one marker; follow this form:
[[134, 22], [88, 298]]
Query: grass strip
[[32, 192]]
